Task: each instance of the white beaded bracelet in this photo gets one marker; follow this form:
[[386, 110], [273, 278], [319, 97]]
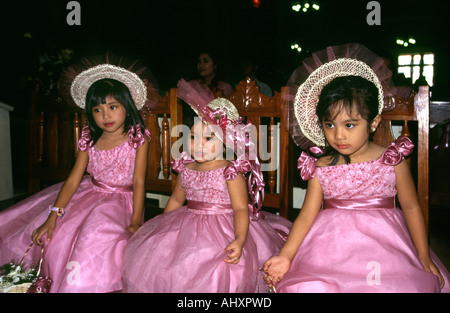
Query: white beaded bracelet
[[59, 211]]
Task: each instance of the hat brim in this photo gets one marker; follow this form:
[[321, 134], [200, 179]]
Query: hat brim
[[308, 93], [85, 79]]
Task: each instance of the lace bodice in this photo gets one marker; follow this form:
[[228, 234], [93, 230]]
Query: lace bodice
[[114, 167], [208, 186], [371, 179]]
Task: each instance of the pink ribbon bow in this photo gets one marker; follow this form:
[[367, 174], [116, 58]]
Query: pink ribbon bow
[[238, 166], [181, 161], [397, 151], [137, 139], [85, 141], [306, 165]]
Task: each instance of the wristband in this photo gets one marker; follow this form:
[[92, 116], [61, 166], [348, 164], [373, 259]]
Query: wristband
[[59, 211]]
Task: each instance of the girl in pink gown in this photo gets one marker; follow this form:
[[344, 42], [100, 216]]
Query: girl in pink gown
[[85, 222], [349, 236], [214, 243]]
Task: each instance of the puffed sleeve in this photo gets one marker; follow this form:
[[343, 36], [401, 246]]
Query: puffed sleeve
[[397, 151], [137, 139], [85, 141], [179, 164], [306, 164], [233, 169]]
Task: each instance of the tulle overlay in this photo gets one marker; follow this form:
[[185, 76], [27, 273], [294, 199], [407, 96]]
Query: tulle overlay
[[184, 250], [360, 241], [85, 253]]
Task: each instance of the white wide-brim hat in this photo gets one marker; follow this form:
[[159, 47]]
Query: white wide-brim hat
[[307, 81], [84, 81], [308, 93], [75, 81]]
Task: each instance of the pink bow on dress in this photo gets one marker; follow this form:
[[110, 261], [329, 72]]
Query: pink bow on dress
[[397, 151], [306, 164], [137, 140], [181, 161], [85, 141]]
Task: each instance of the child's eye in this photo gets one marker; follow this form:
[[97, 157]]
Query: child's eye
[[113, 107], [329, 125], [209, 138], [95, 110], [350, 125]]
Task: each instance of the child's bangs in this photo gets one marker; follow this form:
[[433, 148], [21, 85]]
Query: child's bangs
[[350, 106], [104, 90]]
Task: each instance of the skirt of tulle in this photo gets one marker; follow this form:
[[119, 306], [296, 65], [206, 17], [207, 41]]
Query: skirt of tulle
[[182, 251], [85, 253], [360, 251]]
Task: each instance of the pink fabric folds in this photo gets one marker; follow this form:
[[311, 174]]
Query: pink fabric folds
[[137, 138], [360, 241], [240, 166], [85, 253], [396, 152], [306, 164], [85, 141], [179, 163], [184, 250]]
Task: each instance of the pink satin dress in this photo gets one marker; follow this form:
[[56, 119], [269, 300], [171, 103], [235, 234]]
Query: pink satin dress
[[359, 242], [184, 250], [85, 253]]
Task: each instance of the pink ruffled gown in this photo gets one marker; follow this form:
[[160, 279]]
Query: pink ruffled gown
[[359, 242], [183, 250], [85, 253]]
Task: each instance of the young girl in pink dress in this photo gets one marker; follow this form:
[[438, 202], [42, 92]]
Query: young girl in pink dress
[[214, 243], [349, 236], [85, 222]]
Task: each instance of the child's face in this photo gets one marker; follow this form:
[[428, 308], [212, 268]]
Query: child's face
[[204, 145], [110, 116], [205, 66], [347, 133]]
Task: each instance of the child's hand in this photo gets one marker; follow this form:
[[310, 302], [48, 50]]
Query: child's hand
[[133, 228], [275, 268], [234, 251], [429, 266], [46, 228]]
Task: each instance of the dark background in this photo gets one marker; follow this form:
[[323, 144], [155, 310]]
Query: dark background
[[166, 35]]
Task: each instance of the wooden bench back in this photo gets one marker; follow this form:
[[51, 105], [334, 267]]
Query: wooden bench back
[[412, 116]]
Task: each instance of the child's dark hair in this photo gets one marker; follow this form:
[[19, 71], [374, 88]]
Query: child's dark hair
[[354, 94], [97, 94]]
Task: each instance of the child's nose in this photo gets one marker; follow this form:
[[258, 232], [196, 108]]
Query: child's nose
[[340, 133], [198, 143], [106, 113]]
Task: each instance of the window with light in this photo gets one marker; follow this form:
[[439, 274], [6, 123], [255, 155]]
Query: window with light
[[411, 65]]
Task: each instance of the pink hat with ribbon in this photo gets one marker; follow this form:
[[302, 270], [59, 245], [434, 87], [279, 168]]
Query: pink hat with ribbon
[[233, 133]]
